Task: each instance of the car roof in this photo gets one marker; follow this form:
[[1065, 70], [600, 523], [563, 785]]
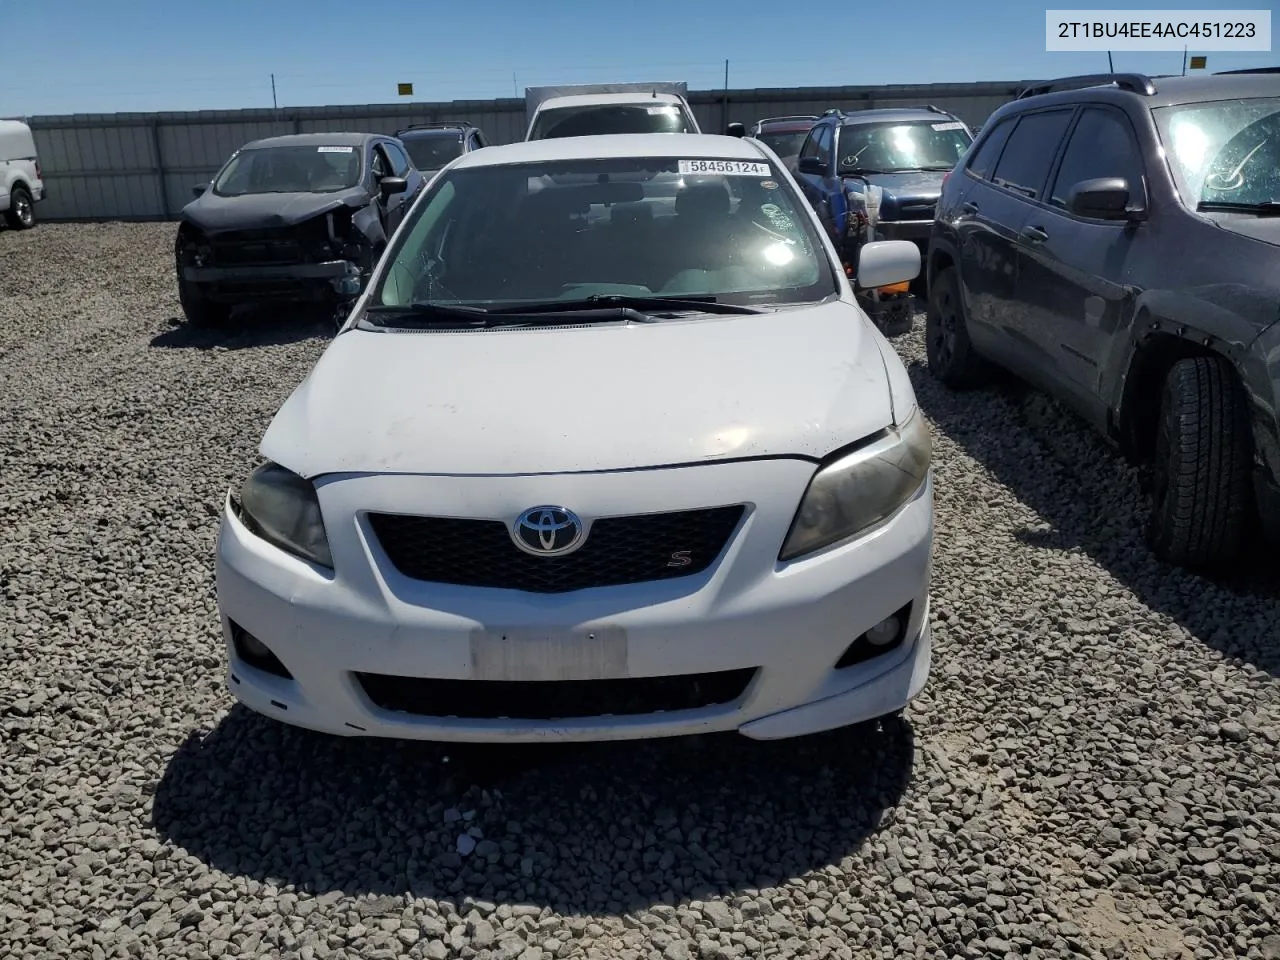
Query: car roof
[[893, 115], [455, 132], [313, 140], [706, 146], [786, 126], [582, 99], [1170, 90]]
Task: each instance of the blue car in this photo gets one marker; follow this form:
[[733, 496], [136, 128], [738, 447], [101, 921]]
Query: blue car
[[877, 174]]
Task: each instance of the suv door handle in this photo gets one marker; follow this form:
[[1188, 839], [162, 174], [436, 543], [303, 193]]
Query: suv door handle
[[1037, 234], [968, 207]]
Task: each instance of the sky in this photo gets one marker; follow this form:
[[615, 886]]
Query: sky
[[104, 56]]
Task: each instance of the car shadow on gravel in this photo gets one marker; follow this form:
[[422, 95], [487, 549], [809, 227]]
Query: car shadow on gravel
[[581, 828], [247, 329], [1040, 451]]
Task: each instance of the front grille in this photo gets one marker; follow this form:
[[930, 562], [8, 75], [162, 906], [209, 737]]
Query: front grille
[[253, 247], [918, 211], [553, 699], [618, 550]]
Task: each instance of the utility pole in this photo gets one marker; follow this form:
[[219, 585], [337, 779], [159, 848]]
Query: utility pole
[[274, 105], [1184, 61], [724, 102], [1111, 67], [515, 87]]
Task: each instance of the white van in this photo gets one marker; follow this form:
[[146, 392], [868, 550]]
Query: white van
[[21, 186]]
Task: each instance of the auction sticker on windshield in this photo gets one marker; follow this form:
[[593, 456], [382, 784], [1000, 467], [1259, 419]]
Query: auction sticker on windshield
[[335, 149], [948, 126], [731, 168]]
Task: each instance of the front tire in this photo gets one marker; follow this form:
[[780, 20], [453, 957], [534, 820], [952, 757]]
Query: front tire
[[1201, 496], [199, 310], [21, 214], [950, 352]]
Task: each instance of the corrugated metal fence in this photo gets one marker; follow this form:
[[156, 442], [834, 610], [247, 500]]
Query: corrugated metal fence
[[142, 166]]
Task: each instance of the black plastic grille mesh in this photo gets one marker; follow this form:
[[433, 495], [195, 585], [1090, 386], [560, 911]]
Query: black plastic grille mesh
[[553, 699], [618, 550]]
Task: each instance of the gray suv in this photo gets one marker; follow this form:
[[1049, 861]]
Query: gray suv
[[1115, 240]]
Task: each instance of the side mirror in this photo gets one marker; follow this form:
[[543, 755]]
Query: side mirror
[[885, 262], [1103, 198], [199, 189], [737, 130], [388, 186], [812, 165]]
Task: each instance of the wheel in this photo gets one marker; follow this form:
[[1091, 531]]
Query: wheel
[[199, 310], [951, 355], [1200, 479], [21, 214]]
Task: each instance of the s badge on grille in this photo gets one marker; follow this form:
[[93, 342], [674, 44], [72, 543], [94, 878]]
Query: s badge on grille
[[548, 531]]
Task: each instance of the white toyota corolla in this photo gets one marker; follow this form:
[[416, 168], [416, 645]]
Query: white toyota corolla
[[606, 450]]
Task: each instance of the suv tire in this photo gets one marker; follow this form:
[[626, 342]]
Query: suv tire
[[199, 310], [950, 352], [1200, 499], [21, 214]]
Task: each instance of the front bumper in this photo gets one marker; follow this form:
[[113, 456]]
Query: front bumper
[[336, 277], [904, 229], [789, 623]]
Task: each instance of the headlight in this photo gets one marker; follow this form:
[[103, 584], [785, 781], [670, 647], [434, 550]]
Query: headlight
[[282, 508], [861, 489]]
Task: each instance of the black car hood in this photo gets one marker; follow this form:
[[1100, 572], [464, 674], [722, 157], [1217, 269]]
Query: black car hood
[[1266, 229], [258, 211], [913, 184]]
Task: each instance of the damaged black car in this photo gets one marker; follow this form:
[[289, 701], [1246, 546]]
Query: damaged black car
[[301, 218]]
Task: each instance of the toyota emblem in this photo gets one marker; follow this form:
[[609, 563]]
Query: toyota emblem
[[548, 531]]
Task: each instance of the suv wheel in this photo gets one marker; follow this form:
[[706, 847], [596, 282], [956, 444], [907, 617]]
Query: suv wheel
[[199, 310], [21, 214], [1201, 475], [947, 346]]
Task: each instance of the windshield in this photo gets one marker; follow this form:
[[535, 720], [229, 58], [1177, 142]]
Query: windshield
[[784, 144], [296, 169], [591, 120], [1227, 151], [432, 153], [489, 236], [902, 146]]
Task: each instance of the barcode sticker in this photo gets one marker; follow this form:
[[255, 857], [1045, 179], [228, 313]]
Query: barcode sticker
[[948, 126], [658, 111], [729, 168], [335, 149]]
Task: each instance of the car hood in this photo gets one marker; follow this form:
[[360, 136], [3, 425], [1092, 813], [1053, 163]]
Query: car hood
[[801, 382], [1266, 229], [921, 184], [265, 210]]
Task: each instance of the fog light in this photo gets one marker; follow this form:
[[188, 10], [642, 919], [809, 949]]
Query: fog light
[[884, 632], [256, 653], [884, 636]]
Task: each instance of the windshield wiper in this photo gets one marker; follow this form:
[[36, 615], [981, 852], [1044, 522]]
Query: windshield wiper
[[458, 316], [1265, 208], [646, 305]]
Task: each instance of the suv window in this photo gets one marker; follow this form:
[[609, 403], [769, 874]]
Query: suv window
[[399, 162], [380, 165], [1101, 145], [1224, 151], [824, 144], [810, 148], [1024, 164], [984, 160]]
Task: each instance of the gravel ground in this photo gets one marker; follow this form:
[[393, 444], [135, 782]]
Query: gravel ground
[[1092, 771]]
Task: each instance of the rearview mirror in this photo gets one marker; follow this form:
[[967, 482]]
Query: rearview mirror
[[737, 130], [1103, 198], [885, 262], [812, 165], [392, 185], [199, 189]]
